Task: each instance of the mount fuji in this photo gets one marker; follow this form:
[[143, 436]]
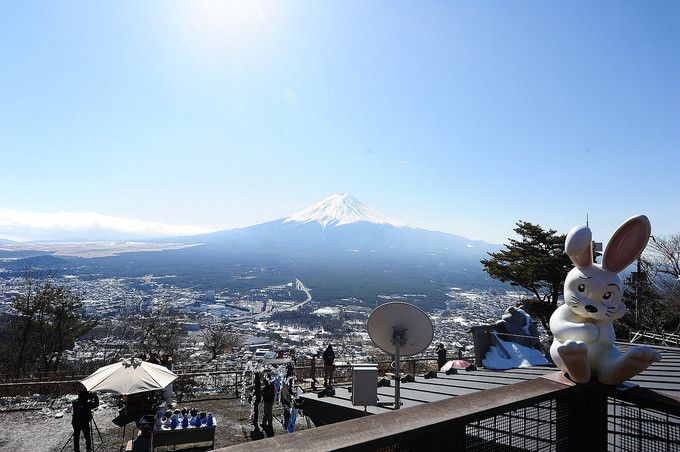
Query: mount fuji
[[338, 210], [339, 247], [342, 225]]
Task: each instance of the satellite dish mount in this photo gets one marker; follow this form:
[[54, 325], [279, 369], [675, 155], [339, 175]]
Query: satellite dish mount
[[399, 340]]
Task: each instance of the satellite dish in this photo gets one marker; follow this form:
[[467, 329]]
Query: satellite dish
[[390, 318], [400, 329]]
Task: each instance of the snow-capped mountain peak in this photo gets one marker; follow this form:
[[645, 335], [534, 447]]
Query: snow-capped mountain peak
[[340, 209]]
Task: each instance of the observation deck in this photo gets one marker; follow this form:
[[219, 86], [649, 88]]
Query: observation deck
[[529, 409]]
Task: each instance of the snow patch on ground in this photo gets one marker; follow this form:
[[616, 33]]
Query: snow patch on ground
[[469, 296], [327, 311], [509, 355], [460, 320]]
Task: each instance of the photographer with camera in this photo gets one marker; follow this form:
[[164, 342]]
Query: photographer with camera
[[82, 415]]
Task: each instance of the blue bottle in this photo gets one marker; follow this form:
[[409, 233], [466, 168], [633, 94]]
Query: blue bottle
[[209, 422], [174, 422], [185, 421]]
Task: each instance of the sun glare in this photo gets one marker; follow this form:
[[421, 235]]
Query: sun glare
[[223, 26]]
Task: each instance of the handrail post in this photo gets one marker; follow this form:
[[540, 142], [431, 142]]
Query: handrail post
[[397, 381], [313, 373], [586, 411]]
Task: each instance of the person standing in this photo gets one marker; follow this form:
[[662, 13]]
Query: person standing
[[166, 361], [286, 402], [153, 359], [82, 415], [328, 366], [268, 392], [441, 356], [256, 397]]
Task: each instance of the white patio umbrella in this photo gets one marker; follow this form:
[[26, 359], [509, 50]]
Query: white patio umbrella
[[129, 376]]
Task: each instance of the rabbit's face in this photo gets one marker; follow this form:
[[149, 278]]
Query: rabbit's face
[[594, 293]]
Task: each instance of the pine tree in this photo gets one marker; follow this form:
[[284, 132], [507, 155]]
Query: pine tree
[[535, 262]]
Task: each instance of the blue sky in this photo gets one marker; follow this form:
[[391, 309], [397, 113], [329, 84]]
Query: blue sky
[[456, 116]]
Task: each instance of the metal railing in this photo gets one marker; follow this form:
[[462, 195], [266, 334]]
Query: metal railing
[[634, 428], [666, 339], [192, 378]]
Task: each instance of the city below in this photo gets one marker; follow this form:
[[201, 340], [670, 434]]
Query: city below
[[280, 317]]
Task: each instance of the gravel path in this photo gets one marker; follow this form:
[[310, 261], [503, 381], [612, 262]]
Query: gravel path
[[40, 431]]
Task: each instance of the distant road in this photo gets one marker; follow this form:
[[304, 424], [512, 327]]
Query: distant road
[[299, 285]]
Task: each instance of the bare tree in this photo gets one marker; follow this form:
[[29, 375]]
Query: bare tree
[[155, 331], [664, 253], [653, 292], [218, 337], [664, 269], [158, 332], [47, 323]]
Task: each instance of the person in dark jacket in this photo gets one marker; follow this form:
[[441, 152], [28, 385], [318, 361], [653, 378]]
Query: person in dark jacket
[[82, 415], [268, 391], [286, 402], [256, 396], [328, 366], [441, 356], [166, 361], [153, 359]]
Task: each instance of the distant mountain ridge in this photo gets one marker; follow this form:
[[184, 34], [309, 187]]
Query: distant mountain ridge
[[42, 262], [341, 223]]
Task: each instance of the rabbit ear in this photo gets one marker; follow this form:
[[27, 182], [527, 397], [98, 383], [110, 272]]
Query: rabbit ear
[[578, 246], [627, 243]]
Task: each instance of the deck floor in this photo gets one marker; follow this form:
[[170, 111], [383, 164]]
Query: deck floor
[[663, 377]]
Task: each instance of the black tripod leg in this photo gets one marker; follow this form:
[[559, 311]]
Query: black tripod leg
[[96, 427], [98, 432], [66, 443]]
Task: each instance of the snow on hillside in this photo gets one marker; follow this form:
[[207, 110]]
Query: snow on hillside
[[340, 209]]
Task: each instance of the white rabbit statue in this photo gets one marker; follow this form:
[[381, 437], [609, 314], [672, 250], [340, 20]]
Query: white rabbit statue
[[583, 344]]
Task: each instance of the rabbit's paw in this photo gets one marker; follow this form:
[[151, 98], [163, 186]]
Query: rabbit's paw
[[574, 354], [630, 364]]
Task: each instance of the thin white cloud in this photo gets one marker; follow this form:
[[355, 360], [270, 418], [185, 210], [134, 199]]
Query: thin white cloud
[[85, 225], [398, 162]]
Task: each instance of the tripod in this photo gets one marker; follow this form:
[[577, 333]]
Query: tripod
[[96, 427]]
